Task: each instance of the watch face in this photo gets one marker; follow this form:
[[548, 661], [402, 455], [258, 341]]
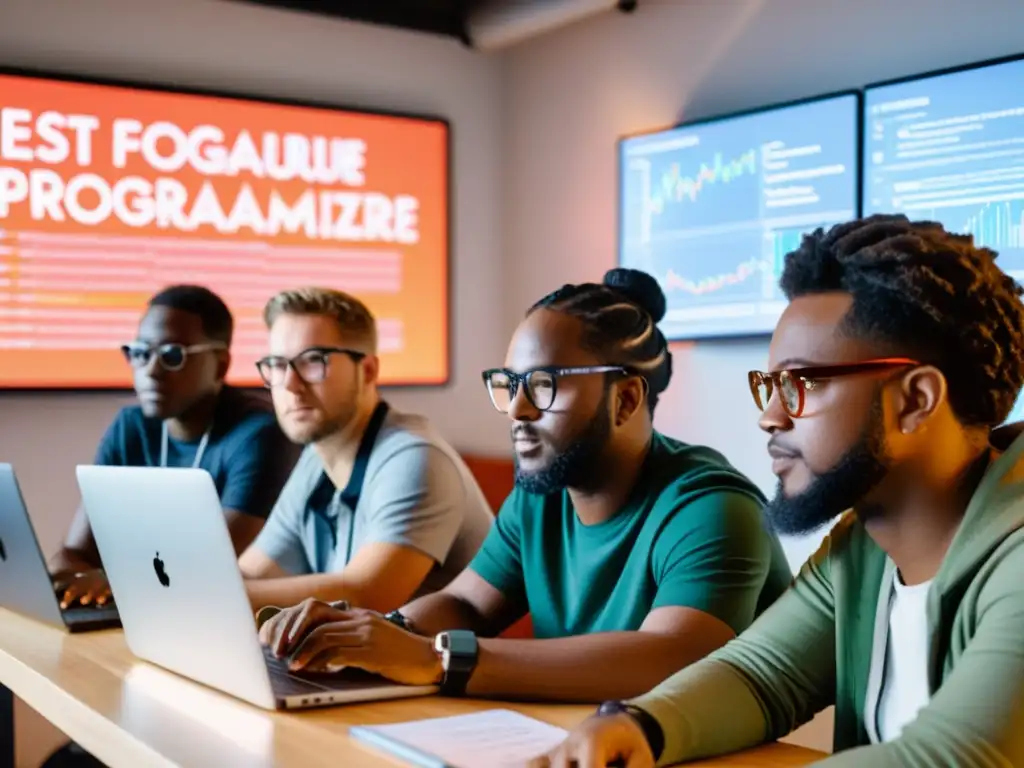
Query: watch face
[[441, 642], [460, 642], [611, 708]]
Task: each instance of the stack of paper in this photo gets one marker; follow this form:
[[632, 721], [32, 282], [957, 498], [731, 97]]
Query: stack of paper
[[497, 738]]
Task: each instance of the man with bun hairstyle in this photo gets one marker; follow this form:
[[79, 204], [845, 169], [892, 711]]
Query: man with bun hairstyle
[[634, 553]]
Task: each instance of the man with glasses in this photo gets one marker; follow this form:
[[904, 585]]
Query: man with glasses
[[186, 416], [900, 354], [379, 508], [634, 554]]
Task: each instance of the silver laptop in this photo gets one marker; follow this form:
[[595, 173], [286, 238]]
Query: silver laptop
[[25, 582], [174, 574]]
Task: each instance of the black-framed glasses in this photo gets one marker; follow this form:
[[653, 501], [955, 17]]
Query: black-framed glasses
[[310, 365], [540, 384], [171, 356], [793, 384]]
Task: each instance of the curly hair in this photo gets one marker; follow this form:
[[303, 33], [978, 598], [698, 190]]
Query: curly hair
[[620, 317], [925, 293]]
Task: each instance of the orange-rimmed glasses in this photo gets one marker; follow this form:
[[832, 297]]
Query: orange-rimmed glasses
[[793, 384]]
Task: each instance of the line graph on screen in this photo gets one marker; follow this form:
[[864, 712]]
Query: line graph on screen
[[754, 278], [711, 208], [675, 187], [712, 284], [673, 194]]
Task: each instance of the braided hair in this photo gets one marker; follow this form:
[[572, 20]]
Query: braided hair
[[620, 317], [925, 293]]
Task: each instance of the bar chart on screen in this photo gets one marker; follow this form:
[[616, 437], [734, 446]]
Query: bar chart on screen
[[950, 148]]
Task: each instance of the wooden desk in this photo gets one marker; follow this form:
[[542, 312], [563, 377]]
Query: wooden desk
[[130, 713]]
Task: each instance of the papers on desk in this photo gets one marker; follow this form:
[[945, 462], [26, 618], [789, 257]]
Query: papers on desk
[[497, 738]]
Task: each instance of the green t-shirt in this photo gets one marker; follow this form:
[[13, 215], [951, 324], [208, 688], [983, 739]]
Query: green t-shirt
[[691, 534]]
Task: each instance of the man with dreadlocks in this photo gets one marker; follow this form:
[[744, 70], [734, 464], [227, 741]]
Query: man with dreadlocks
[[901, 352], [634, 553]]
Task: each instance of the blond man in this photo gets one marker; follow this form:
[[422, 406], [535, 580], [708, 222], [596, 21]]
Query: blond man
[[379, 508]]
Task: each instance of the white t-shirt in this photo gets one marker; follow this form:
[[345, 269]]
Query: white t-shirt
[[905, 687]]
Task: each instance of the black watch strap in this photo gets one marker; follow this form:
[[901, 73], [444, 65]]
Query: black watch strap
[[399, 619], [458, 650], [651, 728]]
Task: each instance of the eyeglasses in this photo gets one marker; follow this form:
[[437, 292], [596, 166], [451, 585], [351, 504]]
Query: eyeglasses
[[310, 365], [172, 357], [541, 384], [794, 383]]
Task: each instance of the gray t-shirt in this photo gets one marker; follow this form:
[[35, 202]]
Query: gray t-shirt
[[415, 491]]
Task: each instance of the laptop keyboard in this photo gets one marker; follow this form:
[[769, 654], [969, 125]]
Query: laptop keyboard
[[286, 683], [290, 683], [79, 614]]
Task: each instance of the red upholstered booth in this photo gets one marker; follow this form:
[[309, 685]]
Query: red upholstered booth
[[496, 477]]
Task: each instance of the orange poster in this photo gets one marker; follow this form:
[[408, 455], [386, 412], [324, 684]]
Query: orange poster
[[108, 194]]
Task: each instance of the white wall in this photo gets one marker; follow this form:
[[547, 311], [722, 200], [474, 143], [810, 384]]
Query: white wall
[[570, 94]]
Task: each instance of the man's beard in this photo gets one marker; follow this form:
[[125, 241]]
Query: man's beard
[[310, 434], [322, 431], [579, 465], [838, 489]]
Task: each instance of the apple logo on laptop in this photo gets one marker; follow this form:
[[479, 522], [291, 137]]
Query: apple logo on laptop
[[3, 550], [161, 574]]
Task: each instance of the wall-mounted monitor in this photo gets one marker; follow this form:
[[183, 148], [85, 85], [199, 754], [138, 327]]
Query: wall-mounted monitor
[[949, 147], [109, 193], [1017, 414], [711, 208]]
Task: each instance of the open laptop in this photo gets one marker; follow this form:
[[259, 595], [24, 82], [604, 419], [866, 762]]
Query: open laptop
[[174, 574], [25, 582]]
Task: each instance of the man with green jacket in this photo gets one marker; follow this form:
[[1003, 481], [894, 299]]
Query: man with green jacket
[[900, 352]]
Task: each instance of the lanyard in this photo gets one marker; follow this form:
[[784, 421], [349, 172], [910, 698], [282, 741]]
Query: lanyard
[[199, 451]]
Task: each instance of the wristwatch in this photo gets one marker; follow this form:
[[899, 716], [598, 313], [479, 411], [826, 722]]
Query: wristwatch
[[651, 728], [458, 650], [399, 619]]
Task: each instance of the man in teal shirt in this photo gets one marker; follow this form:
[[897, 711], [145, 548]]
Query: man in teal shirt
[[635, 554]]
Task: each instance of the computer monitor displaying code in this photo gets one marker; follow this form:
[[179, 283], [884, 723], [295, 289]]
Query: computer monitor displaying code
[[110, 193], [950, 148], [712, 208]]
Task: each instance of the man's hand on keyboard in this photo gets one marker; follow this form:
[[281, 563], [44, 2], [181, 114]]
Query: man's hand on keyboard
[[282, 629], [314, 636], [85, 588]]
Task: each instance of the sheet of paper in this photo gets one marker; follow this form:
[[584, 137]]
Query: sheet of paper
[[497, 738]]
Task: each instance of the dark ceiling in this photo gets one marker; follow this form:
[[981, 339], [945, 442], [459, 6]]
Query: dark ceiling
[[443, 17]]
